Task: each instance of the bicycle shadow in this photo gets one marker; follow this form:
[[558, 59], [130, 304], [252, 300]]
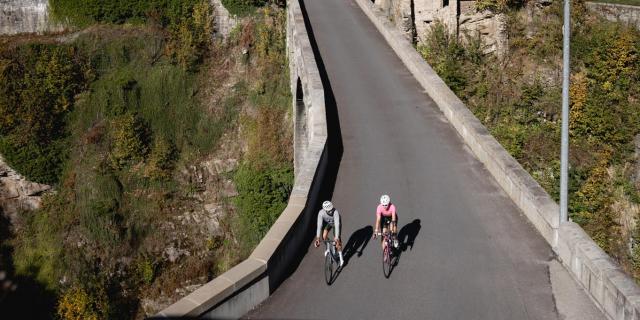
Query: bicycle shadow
[[355, 245], [406, 238], [357, 242], [407, 235]]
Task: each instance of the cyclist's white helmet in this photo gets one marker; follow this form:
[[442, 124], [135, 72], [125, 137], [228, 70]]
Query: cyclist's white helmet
[[327, 206], [384, 200]]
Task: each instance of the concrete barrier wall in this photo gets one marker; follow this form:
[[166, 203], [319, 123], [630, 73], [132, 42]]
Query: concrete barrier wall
[[617, 12], [611, 289], [237, 291]]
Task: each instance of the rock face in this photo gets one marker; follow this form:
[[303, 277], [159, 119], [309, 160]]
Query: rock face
[[617, 12], [26, 16], [400, 12], [428, 11], [416, 17], [490, 27], [224, 22], [17, 193]]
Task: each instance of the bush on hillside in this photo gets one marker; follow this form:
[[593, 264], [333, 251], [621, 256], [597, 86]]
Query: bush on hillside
[[242, 7], [263, 195], [84, 12], [38, 83], [129, 136], [191, 38]]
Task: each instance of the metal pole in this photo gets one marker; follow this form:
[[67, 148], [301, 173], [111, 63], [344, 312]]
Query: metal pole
[[564, 153]]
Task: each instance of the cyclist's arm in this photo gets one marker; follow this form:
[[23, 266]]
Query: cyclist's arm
[[377, 226], [319, 225], [337, 224]]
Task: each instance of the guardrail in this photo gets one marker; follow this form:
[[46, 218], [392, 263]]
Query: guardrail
[[602, 278], [237, 291]]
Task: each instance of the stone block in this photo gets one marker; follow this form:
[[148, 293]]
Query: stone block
[[245, 272]]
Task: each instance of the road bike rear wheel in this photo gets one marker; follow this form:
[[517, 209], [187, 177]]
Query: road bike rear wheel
[[386, 261], [328, 268]]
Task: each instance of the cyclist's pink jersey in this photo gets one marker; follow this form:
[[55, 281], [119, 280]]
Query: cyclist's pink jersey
[[387, 212]]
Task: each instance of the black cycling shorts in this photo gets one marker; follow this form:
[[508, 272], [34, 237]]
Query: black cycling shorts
[[386, 221], [329, 227]]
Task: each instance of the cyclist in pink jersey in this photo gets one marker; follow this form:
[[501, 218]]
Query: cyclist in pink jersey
[[386, 217]]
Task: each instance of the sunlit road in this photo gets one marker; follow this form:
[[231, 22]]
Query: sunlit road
[[469, 254]]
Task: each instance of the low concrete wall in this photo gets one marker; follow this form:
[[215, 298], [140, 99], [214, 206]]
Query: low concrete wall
[[612, 290], [237, 291], [617, 12]]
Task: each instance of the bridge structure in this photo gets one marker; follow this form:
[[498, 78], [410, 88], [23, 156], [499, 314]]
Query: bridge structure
[[480, 239]]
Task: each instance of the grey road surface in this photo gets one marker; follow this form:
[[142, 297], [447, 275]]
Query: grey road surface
[[469, 252]]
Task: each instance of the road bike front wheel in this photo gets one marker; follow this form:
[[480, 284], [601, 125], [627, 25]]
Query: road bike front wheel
[[328, 268], [386, 261]]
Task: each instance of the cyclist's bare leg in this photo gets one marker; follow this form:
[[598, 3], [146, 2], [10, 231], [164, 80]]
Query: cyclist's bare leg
[[338, 247], [384, 229]]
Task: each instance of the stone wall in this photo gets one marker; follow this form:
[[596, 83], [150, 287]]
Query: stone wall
[[26, 16], [414, 19], [617, 12]]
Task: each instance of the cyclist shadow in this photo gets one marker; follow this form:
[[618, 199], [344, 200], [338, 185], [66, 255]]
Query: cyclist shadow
[[356, 243], [406, 238]]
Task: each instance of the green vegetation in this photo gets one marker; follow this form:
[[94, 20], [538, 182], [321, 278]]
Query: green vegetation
[[242, 7], [265, 179], [85, 12], [120, 120], [38, 83], [518, 98]]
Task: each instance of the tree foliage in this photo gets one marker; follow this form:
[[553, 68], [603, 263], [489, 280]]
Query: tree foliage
[[38, 83]]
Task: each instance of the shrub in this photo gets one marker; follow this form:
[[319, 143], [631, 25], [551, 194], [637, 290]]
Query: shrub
[[129, 140], [78, 304], [38, 83], [242, 7], [190, 39], [262, 196], [84, 12], [444, 52], [162, 159], [38, 162]]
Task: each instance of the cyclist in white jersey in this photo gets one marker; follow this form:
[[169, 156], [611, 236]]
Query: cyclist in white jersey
[[328, 219]]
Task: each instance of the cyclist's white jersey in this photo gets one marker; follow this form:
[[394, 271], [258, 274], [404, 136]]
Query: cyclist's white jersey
[[333, 220]]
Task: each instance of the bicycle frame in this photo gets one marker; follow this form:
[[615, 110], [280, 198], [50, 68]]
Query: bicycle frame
[[331, 245]]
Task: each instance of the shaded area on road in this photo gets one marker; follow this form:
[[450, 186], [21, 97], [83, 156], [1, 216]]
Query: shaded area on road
[[357, 242]]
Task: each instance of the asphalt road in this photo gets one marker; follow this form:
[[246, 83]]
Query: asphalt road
[[469, 252]]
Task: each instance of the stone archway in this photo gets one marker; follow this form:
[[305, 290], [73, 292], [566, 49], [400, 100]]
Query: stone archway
[[300, 126]]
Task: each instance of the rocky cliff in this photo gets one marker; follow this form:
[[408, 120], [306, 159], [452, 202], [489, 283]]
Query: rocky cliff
[[617, 12], [26, 16], [415, 18], [17, 193]]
